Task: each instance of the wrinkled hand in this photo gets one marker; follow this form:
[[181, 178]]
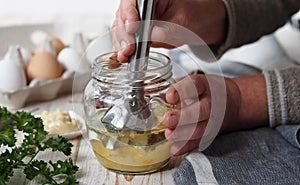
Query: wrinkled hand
[[207, 19], [186, 126]]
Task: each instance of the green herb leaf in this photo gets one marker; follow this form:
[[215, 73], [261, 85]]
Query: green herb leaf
[[7, 136], [35, 141], [59, 144]]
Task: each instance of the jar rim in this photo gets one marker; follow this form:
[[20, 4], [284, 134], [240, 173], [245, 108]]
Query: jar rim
[[159, 63], [97, 59]]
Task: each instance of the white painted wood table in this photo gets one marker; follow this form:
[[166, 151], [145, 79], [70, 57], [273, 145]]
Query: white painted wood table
[[90, 170]]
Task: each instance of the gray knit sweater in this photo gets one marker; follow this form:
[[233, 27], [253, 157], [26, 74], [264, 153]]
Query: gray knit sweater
[[248, 21]]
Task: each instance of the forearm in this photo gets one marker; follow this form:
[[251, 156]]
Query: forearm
[[253, 111], [246, 103], [263, 100]]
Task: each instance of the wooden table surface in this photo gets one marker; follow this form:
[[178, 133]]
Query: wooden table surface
[[90, 170]]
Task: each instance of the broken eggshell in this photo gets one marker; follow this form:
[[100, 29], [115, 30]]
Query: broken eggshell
[[18, 53], [46, 46], [40, 40], [12, 71]]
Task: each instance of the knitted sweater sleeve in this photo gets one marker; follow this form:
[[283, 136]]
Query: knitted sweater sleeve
[[283, 92], [248, 20]]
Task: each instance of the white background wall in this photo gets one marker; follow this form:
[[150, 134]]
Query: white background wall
[[26, 11], [19, 18]]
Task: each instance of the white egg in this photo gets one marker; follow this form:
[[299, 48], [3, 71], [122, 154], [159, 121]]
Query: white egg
[[72, 61], [12, 76]]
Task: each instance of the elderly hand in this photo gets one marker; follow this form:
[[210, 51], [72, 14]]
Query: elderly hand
[[244, 105]]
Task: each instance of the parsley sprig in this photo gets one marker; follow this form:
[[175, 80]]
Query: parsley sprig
[[35, 141]]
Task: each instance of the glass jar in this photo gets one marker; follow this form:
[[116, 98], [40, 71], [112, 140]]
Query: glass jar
[[139, 146]]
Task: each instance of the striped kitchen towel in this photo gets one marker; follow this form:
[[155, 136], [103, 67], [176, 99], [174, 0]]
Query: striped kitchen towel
[[258, 156]]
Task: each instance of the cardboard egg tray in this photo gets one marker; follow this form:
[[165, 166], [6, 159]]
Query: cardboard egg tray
[[43, 90]]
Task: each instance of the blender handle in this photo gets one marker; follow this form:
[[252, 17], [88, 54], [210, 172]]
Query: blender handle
[[139, 60]]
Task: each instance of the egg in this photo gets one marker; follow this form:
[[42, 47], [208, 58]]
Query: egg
[[56, 43], [72, 61], [69, 58], [45, 66], [73, 58], [12, 76]]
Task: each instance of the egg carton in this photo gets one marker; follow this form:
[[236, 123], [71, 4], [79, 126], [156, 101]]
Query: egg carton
[[69, 82], [17, 95], [44, 90]]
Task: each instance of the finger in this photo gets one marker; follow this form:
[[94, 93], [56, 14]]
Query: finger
[[180, 148], [158, 34], [123, 43], [125, 52], [158, 38], [112, 62], [166, 35], [186, 132], [172, 34], [129, 15], [190, 87], [194, 113]]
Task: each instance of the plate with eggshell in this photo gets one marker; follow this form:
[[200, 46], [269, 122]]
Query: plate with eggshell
[[64, 123]]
